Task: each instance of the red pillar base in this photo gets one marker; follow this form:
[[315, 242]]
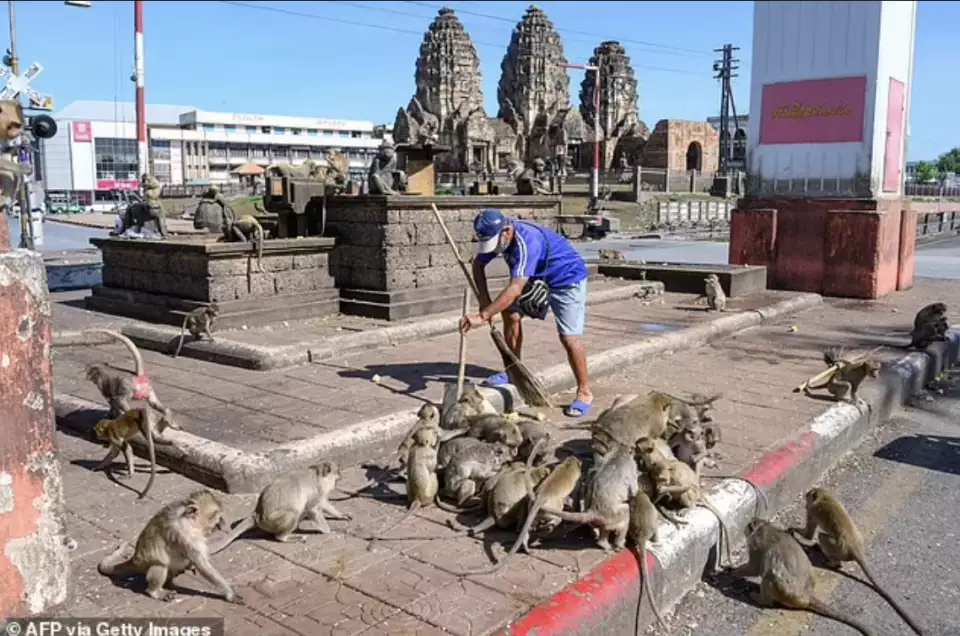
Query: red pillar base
[[853, 248]]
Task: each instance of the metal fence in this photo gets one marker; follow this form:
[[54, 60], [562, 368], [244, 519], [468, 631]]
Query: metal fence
[[932, 190], [933, 223], [193, 191]]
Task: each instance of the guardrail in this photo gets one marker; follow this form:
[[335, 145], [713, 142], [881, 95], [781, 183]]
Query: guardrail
[[934, 223]]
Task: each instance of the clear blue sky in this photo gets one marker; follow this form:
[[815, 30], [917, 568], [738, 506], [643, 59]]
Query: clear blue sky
[[224, 57]]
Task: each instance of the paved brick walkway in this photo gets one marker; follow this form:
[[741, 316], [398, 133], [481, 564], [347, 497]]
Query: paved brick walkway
[[255, 410], [332, 585]]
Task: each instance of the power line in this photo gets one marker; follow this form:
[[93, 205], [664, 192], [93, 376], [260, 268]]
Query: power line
[[666, 47], [419, 34]]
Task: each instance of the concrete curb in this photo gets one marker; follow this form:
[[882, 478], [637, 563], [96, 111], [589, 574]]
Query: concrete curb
[[264, 358], [235, 470], [606, 599]]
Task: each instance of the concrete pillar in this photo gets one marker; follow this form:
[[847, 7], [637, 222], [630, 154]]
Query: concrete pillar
[[33, 561], [824, 208]]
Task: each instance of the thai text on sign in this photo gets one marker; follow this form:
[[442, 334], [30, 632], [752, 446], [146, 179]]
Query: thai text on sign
[[819, 111]]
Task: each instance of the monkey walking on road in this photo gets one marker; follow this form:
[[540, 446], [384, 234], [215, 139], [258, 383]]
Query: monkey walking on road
[[843, 377], [118, 432], [119, 387], [200, 322]]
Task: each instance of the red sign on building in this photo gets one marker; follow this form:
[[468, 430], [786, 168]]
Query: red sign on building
[[82, 131], [821, 111], [117, 184]]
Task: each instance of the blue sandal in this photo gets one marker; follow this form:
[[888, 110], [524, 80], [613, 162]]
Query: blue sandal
[[497, 379], [577, 408]]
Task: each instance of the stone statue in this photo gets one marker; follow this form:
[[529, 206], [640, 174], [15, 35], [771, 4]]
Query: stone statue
[[384, 177], [530, 180], [213, 212]]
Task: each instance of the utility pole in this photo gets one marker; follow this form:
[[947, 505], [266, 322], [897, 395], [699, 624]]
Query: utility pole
[[26, 228], [726, 68], [143, 159], [595, 174]]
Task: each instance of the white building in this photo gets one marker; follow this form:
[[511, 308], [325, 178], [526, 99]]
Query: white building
[[95, 148]]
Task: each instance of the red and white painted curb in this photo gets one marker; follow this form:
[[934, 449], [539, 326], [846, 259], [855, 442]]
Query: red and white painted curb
[[605, 600]]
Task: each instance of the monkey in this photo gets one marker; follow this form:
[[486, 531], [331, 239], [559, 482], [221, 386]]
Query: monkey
[[475, 463], [683, 413], [172, 542], [785, 571], [288, 500], [471, 404], [453, 448], [551, 493], [612, 255], [679, 482], [11, 127], [533, 433], [422, 484], [840, 540], [844, 382], [716, 299], [199, 321], [494, 429], [427, 417], [646, 486], [643, 529], [246, 228], [611, 486], [652, 451], [930, 313], [690, 447], [118, 432], [119, 387], [926, 333]]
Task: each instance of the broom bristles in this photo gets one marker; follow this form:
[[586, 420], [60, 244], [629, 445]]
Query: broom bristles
[[529, 387]]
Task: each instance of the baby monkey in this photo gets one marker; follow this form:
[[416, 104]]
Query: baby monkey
[[199, 322], [118, 432], [840, 540], [172, 542]]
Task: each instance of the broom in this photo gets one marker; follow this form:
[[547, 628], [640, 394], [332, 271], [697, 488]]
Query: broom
[[528, 385], [462, 358]]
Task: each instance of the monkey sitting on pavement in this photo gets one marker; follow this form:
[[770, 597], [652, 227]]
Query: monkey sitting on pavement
[[716, 299], [243, 229], [929, 325], [172, 542], [690, 446], [118, 432], [840, 540], [289, 499], [119, 387], [612, 255], [843, 383], [785, 571], [200, 322]]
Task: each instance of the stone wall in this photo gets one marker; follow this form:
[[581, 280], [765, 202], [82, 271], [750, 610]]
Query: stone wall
[[395, 243], [667, 146]]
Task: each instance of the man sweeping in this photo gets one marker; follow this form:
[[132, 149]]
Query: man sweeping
[[546, 273]]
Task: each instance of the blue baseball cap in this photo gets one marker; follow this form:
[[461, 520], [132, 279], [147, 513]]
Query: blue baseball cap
[[487, 226]]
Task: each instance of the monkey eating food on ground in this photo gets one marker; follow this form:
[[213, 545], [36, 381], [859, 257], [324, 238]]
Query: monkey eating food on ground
[[172, 542], [289, 499], [246, 228], [785, 571], [840, 540], [843, 382], [118, 432], [119, 387], [200, 322]]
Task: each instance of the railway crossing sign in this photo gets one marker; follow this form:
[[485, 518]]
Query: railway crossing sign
[[16, 84]]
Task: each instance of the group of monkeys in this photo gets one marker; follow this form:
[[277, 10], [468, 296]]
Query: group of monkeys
[[646, 456]]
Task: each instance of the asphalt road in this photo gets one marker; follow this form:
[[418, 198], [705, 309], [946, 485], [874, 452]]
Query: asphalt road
[[902, 486]]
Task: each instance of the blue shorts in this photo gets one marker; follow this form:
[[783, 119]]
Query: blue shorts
[[569, 306]]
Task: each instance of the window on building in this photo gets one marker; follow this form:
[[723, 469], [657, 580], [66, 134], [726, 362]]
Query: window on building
[[265, 130], [162, 172], [282, 152], [115, 158], [217, 149], [229, 128], [238, 150], [258, 152], [301, 153], [356, 134], [250, 129], [279, 130], [313, 133], [160, 149], [344, 133], [327, 132], [296, 131], [209, 127]]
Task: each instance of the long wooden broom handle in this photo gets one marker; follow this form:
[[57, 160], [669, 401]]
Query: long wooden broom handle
[[462, 359], [456, 253]]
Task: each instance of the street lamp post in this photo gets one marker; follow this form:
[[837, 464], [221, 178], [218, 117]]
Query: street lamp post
[[595, 175]]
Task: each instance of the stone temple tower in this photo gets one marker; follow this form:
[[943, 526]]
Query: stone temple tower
[[534, 87], [618, 120]]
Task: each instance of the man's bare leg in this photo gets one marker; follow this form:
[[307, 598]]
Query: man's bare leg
[[513, 331]]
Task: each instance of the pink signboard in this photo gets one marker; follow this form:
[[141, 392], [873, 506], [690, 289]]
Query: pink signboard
[[82, 131], [896, 99], [117, 184], [821, 111]]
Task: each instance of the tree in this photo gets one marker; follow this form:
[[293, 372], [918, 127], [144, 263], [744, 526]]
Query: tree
[[949, 161], [926, 172]]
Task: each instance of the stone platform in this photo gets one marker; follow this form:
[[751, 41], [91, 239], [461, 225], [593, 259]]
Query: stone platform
[[687, 278], [153, 280]]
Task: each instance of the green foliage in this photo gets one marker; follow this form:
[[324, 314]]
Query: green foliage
[[926, 172], [949, 161]]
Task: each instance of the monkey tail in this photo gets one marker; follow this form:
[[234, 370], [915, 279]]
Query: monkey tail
[[183, 332], [244, 526], [259, 235], [646, 590], [889, 599], [126, 342], [115, 564], [818, 607]]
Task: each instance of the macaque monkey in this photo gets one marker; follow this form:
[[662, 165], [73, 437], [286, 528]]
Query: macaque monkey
[[495, 429], [930, 313], [690, 447], [246, 228], [119, 387], [843, 383], [551, 493], [173, 541], [930, 325], [536, 440], [785, 571], [472, 466], [716, 299], [289, 499], [11, 127], [200, 322], [840, 540], [644, 525], [471, 404], [612, 255], [118, 432]]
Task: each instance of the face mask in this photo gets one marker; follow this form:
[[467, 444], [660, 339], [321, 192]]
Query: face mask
[[501, 246]]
